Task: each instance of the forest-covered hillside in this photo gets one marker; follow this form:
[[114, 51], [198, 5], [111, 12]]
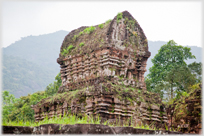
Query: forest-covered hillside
[[29, 65], [21, 77]]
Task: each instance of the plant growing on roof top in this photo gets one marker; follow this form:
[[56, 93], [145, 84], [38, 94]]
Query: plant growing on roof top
[[89, 30], [100, 26], [119, 17], [80, 33], [67, 50], [108, 21]]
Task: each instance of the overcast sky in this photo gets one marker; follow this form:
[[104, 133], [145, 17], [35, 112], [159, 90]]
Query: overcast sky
[[180, 21]]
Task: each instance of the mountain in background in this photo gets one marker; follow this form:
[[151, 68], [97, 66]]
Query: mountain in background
[[29, 64], [21, 77]]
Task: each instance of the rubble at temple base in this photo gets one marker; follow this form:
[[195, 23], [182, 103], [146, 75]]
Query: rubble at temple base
[[185, 114]]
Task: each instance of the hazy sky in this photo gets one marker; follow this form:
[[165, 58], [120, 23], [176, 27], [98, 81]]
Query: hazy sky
[[180, 21]]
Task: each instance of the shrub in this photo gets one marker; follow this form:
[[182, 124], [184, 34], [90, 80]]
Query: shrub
[[119, 17], [64, 52], [89, 30], [108, 21], [67, 50], [81, 44], [70, 47], [100, 26]]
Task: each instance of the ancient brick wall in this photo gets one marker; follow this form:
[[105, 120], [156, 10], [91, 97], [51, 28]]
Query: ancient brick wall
[[107, 61]]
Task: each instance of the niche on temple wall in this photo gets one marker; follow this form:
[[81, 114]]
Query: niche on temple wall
[[64, 79], [70, 80], [134, 76], [122, 73], [113, 71], [75, 77], [80, 75], [106, 71], [47, 109], [120, 55], [117, 73], [125, 56], [129, 76], [40, 111]]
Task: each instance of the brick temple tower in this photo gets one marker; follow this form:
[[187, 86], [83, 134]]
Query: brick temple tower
[[102, 72]]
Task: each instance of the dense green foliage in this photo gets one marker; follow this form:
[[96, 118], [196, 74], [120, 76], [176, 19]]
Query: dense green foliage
[[170, 75], [15, 109]]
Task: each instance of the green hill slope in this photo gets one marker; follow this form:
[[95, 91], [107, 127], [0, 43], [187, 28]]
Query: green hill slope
[[42, 50], [21, 77], [29, 65]]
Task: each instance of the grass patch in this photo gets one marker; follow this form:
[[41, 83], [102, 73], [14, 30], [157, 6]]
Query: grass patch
[[66, 119], [72, 119]]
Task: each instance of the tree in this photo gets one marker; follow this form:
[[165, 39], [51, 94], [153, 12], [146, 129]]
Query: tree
[[8, 104], [53, 87], [180, 79], [163, 74], [15, 109], [196, 69]]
